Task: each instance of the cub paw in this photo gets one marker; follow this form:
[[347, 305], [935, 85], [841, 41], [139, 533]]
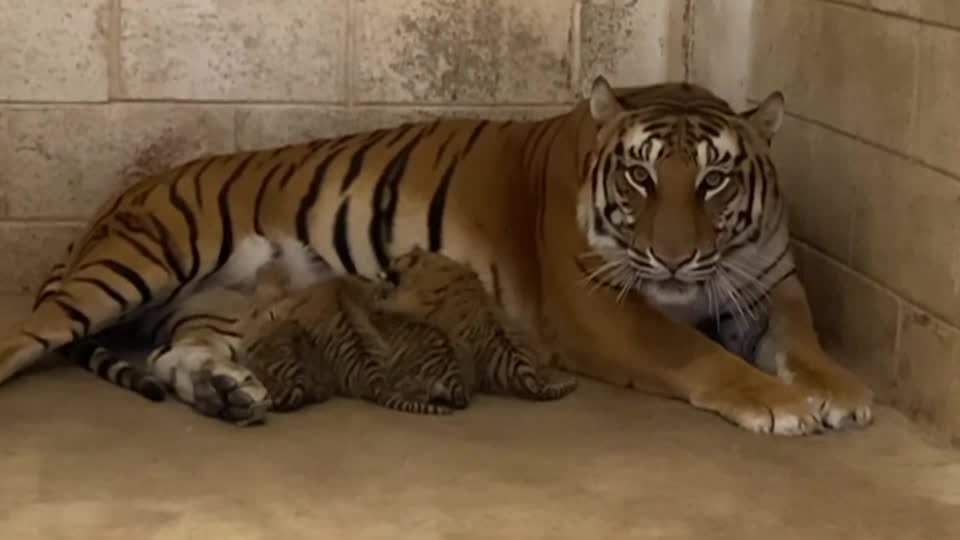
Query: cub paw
[[555, 385], [229, 392]]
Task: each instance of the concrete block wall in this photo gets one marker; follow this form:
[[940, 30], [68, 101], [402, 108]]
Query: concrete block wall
[[869, 158], [93, 92]]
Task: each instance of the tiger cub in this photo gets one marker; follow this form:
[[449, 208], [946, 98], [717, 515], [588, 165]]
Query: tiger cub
[[495, 354], [328, 339]]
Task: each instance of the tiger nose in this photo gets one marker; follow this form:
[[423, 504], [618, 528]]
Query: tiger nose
[[673, 262]]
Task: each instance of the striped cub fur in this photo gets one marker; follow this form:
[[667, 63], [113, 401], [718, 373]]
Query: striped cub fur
[[325, 341], [496, 355]]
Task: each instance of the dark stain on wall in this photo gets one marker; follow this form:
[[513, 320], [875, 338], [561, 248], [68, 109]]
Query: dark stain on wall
[[476, 50]]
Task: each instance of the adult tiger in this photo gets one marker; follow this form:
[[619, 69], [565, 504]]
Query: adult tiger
[[662, 196]]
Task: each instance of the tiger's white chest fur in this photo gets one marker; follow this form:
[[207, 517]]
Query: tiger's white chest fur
[[254, 252]]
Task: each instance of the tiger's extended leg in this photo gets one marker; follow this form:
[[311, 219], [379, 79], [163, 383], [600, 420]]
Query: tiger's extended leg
[[197, 358], [625, 341], [792, 351]]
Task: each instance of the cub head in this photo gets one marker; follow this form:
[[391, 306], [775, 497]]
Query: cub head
[[676, 181], [422, 268], [421, 279]]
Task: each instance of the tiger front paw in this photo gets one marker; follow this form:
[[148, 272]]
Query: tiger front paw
[[848, 402], [766, 405]]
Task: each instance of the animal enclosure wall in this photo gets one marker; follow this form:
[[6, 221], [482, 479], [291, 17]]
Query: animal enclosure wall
[[95, 92], [869, 157]]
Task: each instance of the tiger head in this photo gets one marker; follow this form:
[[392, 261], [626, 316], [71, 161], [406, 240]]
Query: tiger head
[[677, 181]]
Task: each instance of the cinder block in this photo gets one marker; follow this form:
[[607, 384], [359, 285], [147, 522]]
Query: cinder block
[[855, 319], [461, 51], [54, 51], [631, 43], [847, 67], [64, 162], [34, 247], [816, 176], [720, 35], [283, 50], [928, 382], [906, 227], [941, 11], [266, 126], [934, 134], [888, 217]]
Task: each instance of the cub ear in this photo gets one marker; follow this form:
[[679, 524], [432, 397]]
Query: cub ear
[[767, 117], [604, 104]]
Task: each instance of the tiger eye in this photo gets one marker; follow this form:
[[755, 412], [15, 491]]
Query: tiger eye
[[713, 180], [639, 174]]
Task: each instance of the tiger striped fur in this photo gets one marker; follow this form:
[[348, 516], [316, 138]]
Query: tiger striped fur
[[615, 229], [324, 342], [496, 355]]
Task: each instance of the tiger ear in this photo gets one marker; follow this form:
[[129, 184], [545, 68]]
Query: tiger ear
[[604, 104], [767, 117]]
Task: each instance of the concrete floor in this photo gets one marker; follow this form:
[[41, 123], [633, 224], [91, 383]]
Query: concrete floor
[[79, 460]]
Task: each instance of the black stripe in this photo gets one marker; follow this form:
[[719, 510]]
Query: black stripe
[[310, 199], [197, 188], [103, 368], [158, 327], [166, 245], [141, 249], [107, 289], [43, 342], [437, 204], [126, 273], [50, 280], [288, 175], [200, 317], [206, 326], [473, 137], [538, 134], [258, 202], [226, 220], [356, 160], [400, 132], [43, 297], [430, 130], [770, 267], [191, 220], [76, 316], [385, 201], [443, 148], [340, 241], [140, 198]]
